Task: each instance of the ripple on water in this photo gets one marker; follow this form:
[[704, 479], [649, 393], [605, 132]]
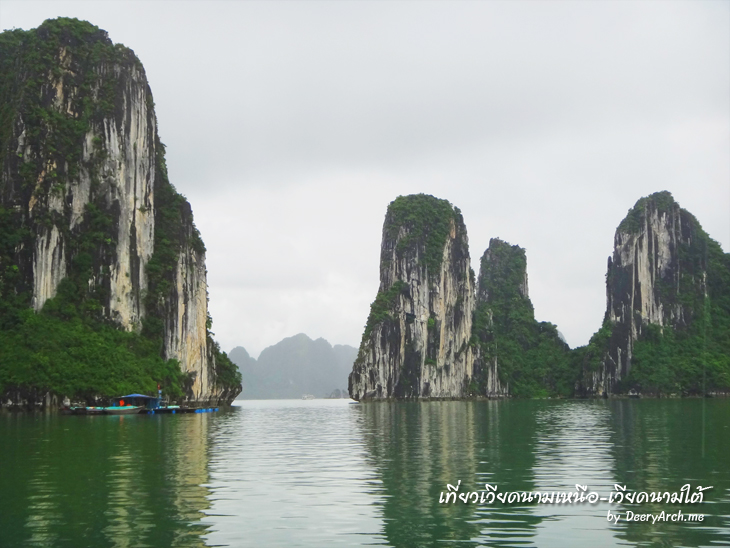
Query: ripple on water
[[325, 473]]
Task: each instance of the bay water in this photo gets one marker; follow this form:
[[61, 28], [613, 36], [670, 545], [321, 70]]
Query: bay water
[[317, 473]]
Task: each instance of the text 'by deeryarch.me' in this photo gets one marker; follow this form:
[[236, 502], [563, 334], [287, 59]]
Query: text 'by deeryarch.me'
[[661, 516]]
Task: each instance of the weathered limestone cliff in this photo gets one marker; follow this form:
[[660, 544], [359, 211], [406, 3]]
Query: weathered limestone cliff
[[186, 336], [657, 276], [115, 171], [428, 336], [416, 341], [517, 355], [83, 184], [500, 266]]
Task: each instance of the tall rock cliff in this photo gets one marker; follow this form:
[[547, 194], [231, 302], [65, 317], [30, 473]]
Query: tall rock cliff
[[88, 214], [517, 355], [416, 341], [666, 329], [666, 326]]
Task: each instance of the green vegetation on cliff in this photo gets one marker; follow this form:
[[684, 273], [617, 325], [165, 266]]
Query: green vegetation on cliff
[[55, 141], [50, 352], [382, 306], [666, 330], [590, 357], [70, 347], [685, 348], [693, 358], [63, 51], [531, 357], [661, 201], [427, 222]]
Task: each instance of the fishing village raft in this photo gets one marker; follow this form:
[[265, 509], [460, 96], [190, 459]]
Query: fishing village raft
[[136, 404]]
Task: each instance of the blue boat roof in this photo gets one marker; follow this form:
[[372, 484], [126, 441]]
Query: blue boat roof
[[138, 396]]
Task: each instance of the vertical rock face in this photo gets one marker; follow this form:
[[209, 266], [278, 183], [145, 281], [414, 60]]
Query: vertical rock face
[[416, 341], [503, 273], [486, 365], [502, 277], [186, 332], [518, 355], [665, 329], [108, 168], [82, 172], [656, 276]]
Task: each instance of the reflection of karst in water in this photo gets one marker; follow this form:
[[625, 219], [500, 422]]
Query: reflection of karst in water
[[189, 464], [505, 435], [573, 443], [645, 445], [43, 504], [128, 517], [419, 448], [118, 481], [139, 504]]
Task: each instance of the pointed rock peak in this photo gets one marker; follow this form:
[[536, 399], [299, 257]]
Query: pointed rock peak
[[517, 355], [503, 272], [239, 351]]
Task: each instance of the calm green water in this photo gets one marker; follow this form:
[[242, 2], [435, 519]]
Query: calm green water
[[326, 473]]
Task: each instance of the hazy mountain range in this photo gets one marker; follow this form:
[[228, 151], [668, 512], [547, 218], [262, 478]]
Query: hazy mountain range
[[293, 367]]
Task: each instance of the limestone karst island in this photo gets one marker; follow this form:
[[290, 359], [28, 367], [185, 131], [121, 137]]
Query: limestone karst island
[[435, 330], [102, 271], [103, 286]]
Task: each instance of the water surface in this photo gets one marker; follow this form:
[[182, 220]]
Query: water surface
[[328, 473]]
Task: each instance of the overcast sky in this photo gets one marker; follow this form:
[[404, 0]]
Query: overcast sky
[[290, 126]]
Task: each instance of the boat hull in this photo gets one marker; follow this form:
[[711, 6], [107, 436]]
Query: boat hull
[[127, 410], [133, 410], [84, 411]]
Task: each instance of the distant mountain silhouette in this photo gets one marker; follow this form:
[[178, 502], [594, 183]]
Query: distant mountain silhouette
[[293, 367]]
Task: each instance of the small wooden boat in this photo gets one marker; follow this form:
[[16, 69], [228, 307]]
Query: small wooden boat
[[82, 411], [94, 411], [137, 403], [124, 410], [125, 405]]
